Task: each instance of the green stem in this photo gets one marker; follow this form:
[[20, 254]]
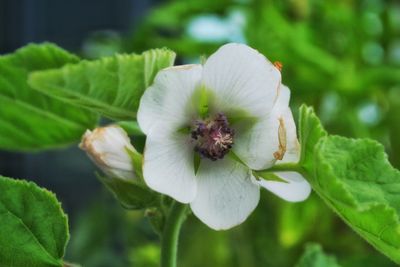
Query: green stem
[[283, 167], [293, 167], [169, 239]]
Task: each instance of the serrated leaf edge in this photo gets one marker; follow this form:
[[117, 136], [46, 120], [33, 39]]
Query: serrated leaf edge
[[57, 204]]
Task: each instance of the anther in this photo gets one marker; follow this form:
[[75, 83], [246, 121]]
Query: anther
[[213, 137]]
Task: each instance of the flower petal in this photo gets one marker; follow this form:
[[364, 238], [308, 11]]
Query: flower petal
[[226, 194], [295, 190], [167, 101], [107, 147], [256, 146], [168, 165], [241, 78], [293, 147]]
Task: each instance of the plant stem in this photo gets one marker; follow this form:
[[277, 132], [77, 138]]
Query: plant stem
[[169, 239], [294, 167]]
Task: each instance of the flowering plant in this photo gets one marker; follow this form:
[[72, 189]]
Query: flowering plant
[[211, 127], [215, 134]]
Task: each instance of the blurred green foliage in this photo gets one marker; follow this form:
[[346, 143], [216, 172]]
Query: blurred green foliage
[[340, 56], [315, 257]]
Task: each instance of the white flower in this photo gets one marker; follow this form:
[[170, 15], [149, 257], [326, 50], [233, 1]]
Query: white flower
[[108, 147], [232, 112]]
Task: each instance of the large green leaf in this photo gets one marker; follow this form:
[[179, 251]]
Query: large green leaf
[[33, 227], [30, 120], [310, 131], [110, 86], [355, 178], [315, 257]]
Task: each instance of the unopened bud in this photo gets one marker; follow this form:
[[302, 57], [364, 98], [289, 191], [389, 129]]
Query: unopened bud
[[109, 148]]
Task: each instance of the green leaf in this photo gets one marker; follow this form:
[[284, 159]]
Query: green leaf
[[34, 229], [131, 127], [30, 120], [131, 194], [315, 257], [356, 179], [110, 86], [310, 132]]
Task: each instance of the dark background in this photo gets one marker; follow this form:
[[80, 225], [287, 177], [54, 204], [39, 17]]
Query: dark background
[[66, 23], [68, 172]]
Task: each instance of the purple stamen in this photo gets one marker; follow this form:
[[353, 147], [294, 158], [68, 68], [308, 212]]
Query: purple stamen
[[213, 137]]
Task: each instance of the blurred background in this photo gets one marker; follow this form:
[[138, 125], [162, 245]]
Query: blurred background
[[340, 56]]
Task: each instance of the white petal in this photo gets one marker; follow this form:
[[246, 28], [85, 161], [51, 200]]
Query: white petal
[[241, 78], [107, 146], [226, 194], [168, 165], [256, 146], [167, 101], [293, 147], [297, 189], [283, 98], [282, 110]]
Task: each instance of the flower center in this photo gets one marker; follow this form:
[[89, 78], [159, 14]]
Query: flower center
[[213, 137]]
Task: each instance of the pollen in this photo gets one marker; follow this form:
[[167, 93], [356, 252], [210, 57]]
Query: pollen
[[213, 137], [278, 65]]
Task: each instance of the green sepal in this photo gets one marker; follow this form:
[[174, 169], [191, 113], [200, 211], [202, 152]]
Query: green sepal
[[268, 176], [157, 219], [232, 155], [137, 162], [131, 127], [132, 195]]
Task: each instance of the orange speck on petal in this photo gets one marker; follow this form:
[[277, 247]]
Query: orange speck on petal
[[278, 65]]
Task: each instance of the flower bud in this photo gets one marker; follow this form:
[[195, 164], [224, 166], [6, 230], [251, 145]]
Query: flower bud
[[109, 148]]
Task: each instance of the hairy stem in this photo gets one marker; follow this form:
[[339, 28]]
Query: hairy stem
[[169, 239]]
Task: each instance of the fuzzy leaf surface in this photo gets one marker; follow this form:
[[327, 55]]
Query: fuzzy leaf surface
[[110, 86], [310, 132], [355, 178], [29, 120], [34, 229]]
